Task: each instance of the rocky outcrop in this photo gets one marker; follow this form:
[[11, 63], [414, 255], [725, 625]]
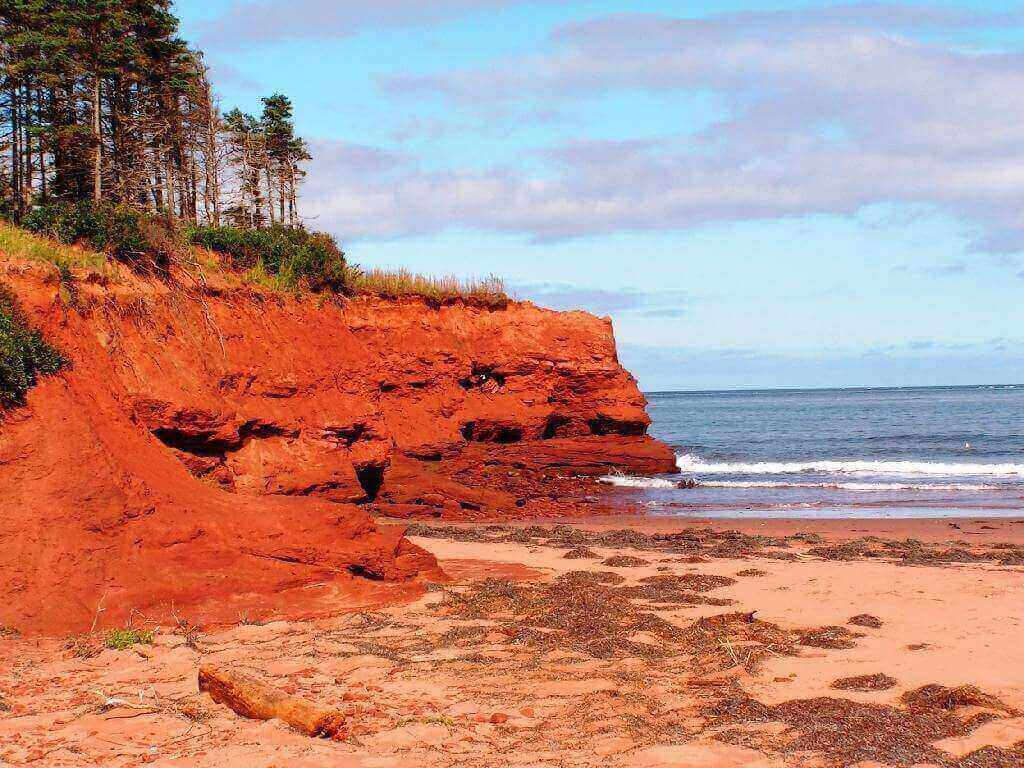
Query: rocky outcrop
[[210, 442]]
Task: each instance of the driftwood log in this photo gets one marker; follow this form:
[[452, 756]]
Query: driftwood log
[[257, 700]]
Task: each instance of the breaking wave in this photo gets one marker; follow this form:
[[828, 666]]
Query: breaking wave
[[629, 481], [695, 464], [848, 486]]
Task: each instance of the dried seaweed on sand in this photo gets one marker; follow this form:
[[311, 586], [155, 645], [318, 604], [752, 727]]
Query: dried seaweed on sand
[[876, 682], [846, 733]]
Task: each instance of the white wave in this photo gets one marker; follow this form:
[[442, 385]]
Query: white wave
[[629, 481], [695, 464], [848, 486]]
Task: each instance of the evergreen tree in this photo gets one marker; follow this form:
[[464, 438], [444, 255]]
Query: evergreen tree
[[285, 151], [102, 100]]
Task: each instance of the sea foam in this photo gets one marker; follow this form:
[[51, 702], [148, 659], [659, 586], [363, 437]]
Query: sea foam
[[629, 481], [838, 486], [695, 464]]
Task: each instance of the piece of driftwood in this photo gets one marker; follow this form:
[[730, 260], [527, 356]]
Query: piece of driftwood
[[257, 700]]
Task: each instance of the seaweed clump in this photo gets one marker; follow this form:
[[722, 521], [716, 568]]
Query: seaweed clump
[[845, 733]]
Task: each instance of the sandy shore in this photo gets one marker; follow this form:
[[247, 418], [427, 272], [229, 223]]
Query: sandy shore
[[656, 642]]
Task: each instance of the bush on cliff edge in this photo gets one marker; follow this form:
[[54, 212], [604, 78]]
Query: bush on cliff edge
[[140, 240], [24, 355], [293, 257]]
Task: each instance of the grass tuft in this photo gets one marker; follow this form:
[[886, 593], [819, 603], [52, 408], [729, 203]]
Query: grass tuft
[[489, 291], [122, 639], [21, 244]]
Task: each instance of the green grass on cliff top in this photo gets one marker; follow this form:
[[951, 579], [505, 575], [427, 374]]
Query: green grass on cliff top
[[18, 243]]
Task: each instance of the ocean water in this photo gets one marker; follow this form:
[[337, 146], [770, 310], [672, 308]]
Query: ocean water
[[903, 452]]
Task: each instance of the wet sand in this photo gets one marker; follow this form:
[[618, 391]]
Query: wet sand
[[657, 642]]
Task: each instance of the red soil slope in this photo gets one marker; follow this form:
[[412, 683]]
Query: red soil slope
[[218, 450]]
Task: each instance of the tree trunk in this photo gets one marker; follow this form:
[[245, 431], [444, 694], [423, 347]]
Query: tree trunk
[[171, 193], [256, 700], [293, 208], [212, 189], [270, 193], [16, 152], [97, 137], [26, 150], [158, 183], [42, 151], [281, 192]]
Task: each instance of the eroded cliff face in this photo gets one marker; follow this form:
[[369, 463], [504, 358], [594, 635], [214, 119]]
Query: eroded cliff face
[[218, 449]]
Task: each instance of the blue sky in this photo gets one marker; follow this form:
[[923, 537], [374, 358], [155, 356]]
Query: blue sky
[[759, 193]]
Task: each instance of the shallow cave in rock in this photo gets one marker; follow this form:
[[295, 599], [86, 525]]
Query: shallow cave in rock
[[486, 432], [482, 375], [602, 425], [555, 426], [371, 478]]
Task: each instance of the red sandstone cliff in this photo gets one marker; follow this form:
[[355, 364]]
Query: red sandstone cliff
[[218, 449]]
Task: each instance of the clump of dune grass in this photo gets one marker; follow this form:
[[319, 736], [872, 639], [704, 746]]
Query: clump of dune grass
[[122, 639], [390, 284], [19, 243]]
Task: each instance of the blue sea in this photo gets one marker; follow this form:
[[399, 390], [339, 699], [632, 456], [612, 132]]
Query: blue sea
[[902, 452]]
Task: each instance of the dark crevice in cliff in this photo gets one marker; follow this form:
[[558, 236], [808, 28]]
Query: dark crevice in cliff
[[371, 478], [555, 427], [425, 455], [365, 573], [349, 435], [483, 376], [491, 432], [603, 426], [209, 445]]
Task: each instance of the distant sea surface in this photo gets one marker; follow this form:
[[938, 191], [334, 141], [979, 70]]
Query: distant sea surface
[[904, 452]]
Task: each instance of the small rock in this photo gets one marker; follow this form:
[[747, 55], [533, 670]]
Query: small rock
[[498, 718]]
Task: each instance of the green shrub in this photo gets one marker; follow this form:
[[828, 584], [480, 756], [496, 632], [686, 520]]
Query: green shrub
[[137, 239], [294, 256], [24, 355], [122, 639]]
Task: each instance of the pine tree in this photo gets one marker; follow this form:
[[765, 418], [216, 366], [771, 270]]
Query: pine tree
[[101, 100], [284, 152]]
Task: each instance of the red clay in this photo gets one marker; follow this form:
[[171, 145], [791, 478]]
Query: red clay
[[218, 451]]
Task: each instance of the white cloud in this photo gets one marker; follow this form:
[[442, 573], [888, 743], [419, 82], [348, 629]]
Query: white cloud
[[831, 111], [249, 22]]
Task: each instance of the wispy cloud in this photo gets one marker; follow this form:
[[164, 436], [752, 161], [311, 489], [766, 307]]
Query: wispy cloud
[[666, 304], [831, 110], [916, 362], [954, 268], [249, 22]]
